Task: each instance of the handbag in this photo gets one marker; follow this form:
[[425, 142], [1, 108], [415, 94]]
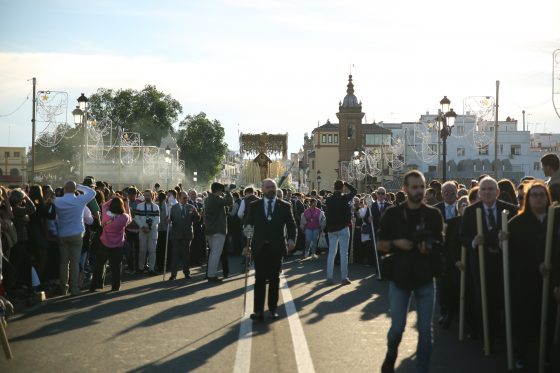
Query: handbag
[[322, 244]]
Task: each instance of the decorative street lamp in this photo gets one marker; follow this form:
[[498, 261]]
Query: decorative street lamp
[[445, 121], [195, 179], [80, 114], [319, 180]]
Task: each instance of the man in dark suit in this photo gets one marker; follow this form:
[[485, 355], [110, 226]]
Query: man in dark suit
[[492, 209], [446, 292], [182, 216], [266, 220]]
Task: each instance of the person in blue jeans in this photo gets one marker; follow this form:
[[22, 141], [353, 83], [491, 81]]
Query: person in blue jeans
[[339, 215], [412, 235]]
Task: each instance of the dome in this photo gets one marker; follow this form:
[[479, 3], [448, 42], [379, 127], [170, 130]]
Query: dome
[[350, 100]]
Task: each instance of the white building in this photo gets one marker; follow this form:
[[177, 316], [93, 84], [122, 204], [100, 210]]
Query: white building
[[470, 148]]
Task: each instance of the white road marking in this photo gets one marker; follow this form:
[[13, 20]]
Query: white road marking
[[301, 349], [243, 354]]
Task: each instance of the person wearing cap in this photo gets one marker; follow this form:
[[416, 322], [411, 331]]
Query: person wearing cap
[[215, 225]]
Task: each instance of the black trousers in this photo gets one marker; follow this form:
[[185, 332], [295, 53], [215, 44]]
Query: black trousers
[[181, 253], [114, 255], [267, 268], [160, 250]]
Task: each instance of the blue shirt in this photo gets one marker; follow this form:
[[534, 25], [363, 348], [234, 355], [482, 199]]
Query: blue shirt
[[70, 211]]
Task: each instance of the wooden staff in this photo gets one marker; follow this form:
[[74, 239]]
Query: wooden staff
[[352, 238], [507, 293], [482, 266], [4, 338], [169, 225], [546, 286], [462, 293], [247, 260]]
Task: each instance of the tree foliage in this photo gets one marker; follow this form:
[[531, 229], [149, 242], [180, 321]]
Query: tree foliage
[[149, 112], [202, 145]]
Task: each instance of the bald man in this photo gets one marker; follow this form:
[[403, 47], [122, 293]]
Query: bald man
[[492, 208], [70, 218]]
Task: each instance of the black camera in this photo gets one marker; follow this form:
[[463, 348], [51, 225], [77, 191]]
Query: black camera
[[149, 222], [423, 235]]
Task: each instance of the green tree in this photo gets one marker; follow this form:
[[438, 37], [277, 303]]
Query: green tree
[[149, 112], [202, 145]]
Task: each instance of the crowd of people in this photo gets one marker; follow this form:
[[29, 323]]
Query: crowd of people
[[69, 239]]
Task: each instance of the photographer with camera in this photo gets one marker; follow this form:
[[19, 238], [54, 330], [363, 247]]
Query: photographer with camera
[[412, 233], [215, 224], [147, 218]]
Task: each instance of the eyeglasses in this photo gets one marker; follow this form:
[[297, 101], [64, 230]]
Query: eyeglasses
[[381, 193]]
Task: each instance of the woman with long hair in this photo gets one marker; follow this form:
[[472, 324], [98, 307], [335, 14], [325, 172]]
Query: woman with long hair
[[527, 240], [114, 220], [312, 222]]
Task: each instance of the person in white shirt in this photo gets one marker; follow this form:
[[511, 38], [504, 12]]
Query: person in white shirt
[[70, 218], [147, 218]]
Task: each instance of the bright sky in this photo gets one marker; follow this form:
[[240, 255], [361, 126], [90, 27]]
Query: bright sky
[[282, 66]]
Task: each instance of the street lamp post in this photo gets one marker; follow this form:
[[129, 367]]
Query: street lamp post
[[80, 114], [168, 161], [319, 180], [445, 121]]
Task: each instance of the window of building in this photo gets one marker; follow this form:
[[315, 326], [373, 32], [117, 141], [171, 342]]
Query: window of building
[[313, 164], [433, 148], [16, 154], [376, 139], [516, 150], [324, 139], [460, 130], [14, 172], [483, 150], [336, 139], [460, 152], [1, 172], [7, 154], [537, 166], [501, 148], [330, 139]]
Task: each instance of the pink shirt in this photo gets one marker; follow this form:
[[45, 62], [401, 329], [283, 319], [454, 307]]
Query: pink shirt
[[113, 227], [312, 218]]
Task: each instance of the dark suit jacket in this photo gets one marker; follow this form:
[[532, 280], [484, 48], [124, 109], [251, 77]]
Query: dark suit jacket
[[269, 238], [468, 227], [183, 226], [441, 207]]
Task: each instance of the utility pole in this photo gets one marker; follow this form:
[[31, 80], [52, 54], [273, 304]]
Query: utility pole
[[496, 130], [33, 130]]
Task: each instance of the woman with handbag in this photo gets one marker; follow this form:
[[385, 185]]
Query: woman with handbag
[[312, 222], [114, 220]]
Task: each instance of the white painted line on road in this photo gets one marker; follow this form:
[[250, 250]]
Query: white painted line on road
[[243, 354], [301, 349]]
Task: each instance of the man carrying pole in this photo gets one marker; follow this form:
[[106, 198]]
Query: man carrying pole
[[485, 264]]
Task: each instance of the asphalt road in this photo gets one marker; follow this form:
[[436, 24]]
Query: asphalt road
[[194, 326]]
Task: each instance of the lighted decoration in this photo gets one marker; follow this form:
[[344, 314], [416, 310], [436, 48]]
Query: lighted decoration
[[556, 81], [51, 120]]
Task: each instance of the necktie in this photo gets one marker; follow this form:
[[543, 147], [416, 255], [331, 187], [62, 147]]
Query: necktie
[[269, 210], [450, 212], [183, 211], [491, 219], [381, 206]]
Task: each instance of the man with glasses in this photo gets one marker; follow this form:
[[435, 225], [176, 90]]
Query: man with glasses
[[412, 233]]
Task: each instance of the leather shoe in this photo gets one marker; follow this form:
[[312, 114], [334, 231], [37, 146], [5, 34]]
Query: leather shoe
[[214, 279], [187, 277], [257, 316], [172, 278], [274, 315]]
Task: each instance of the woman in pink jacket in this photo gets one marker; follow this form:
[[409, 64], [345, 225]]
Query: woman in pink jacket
[[114, 220]]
